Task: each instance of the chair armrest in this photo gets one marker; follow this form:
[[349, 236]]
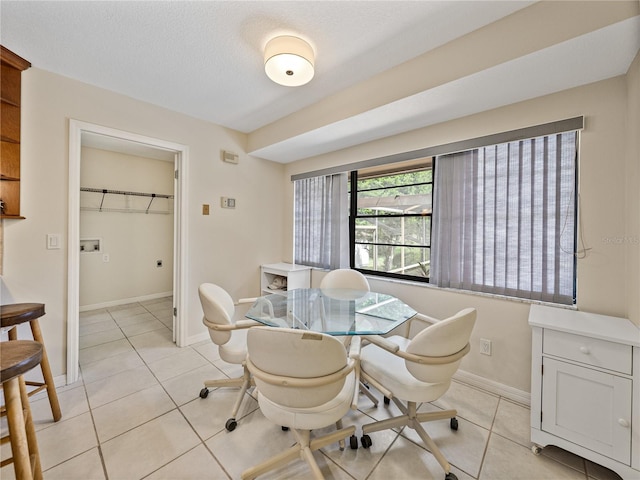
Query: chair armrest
[[412, 357], [245, 300], [383, 343], [424, 319], [354, 347], [234, 326]]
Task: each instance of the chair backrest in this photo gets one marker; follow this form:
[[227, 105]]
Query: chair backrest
[[296, 368], [218, 308], [447, 337], [345, 278]]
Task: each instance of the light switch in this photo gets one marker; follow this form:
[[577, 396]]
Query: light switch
[[53, 241], [205, 209]]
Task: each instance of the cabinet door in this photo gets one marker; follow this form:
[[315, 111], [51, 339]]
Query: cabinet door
[[588, 407]]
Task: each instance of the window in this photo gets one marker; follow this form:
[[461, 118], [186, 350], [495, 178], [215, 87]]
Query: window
[[504, 219], [494, 214], [391, 220], [320, 221]]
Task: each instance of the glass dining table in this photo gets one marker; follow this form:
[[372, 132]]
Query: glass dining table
[[332, 311]]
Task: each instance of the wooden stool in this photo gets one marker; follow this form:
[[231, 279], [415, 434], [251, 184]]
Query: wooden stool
[[16, 358], [12, 316]]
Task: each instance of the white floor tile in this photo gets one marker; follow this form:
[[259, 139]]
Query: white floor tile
[[196, 463], [131, 411], [509, 461], [66, 439], [105, 350], [112, 388], [513, 421], [99, 338], [182, 362], [187, 387], [110, 366], [148, 447], [87, 466]]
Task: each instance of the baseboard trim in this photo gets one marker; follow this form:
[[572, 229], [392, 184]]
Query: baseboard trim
[[124, 301], [491, 386]]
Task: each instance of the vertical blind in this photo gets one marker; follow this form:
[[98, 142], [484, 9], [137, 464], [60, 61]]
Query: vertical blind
[[321, 221], [504, 219]]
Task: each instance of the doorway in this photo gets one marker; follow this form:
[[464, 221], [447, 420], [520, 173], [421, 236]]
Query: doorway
[[82, 133]]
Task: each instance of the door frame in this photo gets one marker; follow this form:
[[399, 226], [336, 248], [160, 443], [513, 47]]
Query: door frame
[[76, 129]]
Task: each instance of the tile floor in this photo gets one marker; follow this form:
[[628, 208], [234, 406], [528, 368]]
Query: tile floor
[[136, 414]]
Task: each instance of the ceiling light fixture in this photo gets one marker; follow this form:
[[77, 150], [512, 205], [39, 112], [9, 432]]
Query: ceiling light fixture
[[289, 61]]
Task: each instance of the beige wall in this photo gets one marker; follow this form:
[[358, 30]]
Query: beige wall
[[133, 241], [602, 276], [226, 247], [229, 245]]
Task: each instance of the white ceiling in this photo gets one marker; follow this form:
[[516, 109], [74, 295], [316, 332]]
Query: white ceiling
[[204, 59]]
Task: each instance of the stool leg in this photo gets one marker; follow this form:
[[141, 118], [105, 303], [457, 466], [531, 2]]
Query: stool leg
[[17, 433], [32, 441], [46, 372]]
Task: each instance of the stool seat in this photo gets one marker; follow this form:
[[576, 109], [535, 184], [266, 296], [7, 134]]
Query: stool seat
[[17, 313], [17, 357], [12, 315]]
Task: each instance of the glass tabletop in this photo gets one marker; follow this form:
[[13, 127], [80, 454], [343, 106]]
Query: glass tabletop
[[332, 311]]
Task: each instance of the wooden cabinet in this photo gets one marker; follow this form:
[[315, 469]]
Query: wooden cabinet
[[293, 276], [585, 384], [11, 80]]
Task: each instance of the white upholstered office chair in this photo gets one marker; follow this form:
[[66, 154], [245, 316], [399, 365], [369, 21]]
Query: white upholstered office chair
[[230, 334], [345, 278], [305, 381], [417, 370]]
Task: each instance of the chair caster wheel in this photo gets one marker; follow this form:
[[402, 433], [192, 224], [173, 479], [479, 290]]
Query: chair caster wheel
[[231, 424], [450, 476], [387, 400], [366, 441], [285, 429], [454, 423], [536, 449], [353, 442], [204, 393]]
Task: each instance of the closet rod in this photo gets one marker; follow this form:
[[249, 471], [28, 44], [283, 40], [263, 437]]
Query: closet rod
[[122, 192]]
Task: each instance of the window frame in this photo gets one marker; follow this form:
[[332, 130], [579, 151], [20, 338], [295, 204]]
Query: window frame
[[353, 207]]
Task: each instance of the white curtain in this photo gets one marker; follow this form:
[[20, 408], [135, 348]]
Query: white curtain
[[504, 219], [321, 228]]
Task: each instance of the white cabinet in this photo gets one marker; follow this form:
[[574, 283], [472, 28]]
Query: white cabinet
[[282, 277], [585, 386]]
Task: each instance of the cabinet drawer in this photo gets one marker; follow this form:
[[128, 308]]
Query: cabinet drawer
[[590, 351]]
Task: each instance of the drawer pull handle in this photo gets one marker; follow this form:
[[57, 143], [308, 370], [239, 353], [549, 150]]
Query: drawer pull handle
[[585, 350], [623, 422]]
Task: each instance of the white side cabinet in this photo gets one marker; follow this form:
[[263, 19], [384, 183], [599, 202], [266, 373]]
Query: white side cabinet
[[585, 386], [297, 276]]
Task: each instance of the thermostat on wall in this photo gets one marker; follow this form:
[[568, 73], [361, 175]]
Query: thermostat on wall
[[228, 202], [229, 157]]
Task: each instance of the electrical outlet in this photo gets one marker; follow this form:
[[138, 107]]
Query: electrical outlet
[[485, 346]]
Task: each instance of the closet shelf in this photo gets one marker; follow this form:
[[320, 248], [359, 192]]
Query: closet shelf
[[124, 192], [105, 192]]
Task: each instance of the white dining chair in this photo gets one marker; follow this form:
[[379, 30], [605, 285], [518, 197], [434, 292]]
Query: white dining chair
[[416, 370], [305, 381], [230, 335]]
